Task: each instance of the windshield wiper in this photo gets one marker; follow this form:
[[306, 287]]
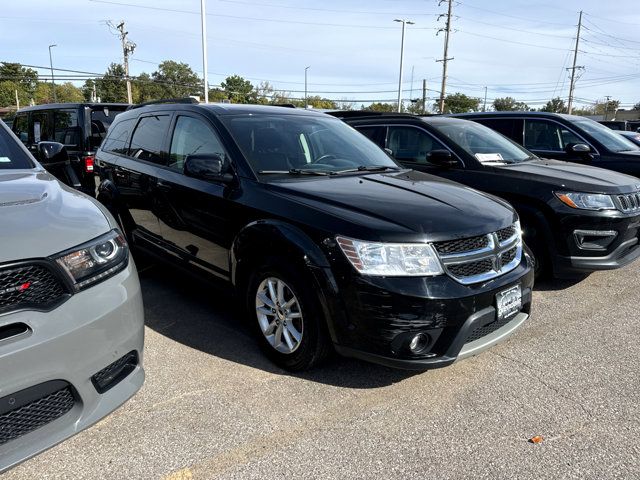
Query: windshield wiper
[[295, 171], [368, 168]]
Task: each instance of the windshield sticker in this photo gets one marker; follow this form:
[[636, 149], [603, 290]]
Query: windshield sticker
[[5, 160], [489, 157]]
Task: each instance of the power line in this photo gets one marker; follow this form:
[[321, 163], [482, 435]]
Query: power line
[[329, 10]]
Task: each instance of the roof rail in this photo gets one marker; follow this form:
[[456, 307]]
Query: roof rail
[[286, 105], [190, 100], [367, 113]]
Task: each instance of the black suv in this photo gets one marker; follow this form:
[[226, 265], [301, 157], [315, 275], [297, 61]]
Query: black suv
[[80, 127], [565, 137], [324, 237], [576, 218]]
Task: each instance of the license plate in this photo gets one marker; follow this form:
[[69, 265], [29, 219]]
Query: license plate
[[509, 302]]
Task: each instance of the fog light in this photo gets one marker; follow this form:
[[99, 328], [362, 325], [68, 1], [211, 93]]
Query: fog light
[[594, 239], [419, 342]]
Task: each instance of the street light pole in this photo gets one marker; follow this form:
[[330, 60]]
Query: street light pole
[[203, 14], [404, 23], [53, 82], [306, 102]]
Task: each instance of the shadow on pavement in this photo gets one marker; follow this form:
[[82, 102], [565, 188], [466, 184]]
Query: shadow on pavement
[[554, 285], [205, 317]]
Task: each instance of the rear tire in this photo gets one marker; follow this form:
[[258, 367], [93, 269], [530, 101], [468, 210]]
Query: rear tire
[[286, 316]]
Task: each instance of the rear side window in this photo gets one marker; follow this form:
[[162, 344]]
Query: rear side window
[[12, 156], [116, 141], [21, 127], [509, 127], [66, 129], [41, 127], [546, 135], [375, 134], [192, 136], [410, 144], [149, 137], [101, 119]]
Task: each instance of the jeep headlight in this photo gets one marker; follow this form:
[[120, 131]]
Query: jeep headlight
[[586, 201], [96, 260], [391, 259]]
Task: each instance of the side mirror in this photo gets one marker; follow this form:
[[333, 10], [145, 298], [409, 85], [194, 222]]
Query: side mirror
[[441, 158], [388, 151], [579, 150], [50, 153], [206, 167]]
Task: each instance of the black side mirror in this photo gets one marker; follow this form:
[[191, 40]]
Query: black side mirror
[[51, 153], [441, 158], [579, 150], [206, 167]]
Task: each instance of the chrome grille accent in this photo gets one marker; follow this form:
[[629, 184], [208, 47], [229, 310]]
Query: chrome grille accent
[[498, 253], [629, 202]]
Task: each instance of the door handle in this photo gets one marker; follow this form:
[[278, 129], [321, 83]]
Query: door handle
[[163, 187]]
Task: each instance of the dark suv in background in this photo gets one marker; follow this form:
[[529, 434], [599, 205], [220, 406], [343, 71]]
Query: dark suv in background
[[565, 137], [80, 127], [576, 218], [324, 237]]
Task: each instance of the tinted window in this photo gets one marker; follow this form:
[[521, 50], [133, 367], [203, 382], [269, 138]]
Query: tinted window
[[274, 143], [148, 138], [11, 154], [607, 137], [116, 142], [509, 127], [66, 129], [547, 135], [41, 127], [101, 120], [410, 144], [21, 127], [375, 134], [192, 136]]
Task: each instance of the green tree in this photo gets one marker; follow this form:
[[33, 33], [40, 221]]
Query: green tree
[[609, 107], [381, 107], [27, 78], [176, 80], [112, 87], [8, 93], [146, 89], [555, 105], [317, 101], [217, 95], [239, 90], [509, 104], [416, 107], [460, 103], [65, 93]]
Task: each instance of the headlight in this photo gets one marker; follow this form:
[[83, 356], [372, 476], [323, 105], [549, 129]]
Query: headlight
[[586, 201], [95, 260], [391, 259]]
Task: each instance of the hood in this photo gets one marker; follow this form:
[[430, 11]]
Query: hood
[[402, 205], [572, 176], [40, 217]]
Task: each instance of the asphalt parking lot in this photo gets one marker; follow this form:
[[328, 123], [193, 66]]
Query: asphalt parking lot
[[213, 407]]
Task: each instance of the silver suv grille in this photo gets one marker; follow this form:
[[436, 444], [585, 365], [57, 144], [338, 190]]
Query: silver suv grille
[[478, 259], [629, 202]]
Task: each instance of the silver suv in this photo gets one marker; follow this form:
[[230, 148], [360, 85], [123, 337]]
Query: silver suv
[[71, 318]]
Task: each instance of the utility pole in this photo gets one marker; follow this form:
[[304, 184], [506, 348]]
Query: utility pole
[[53, 81], [445, 59], [424, 95], [606, 106], [203, 15], [484, 108], [127, 49], [17, 101], [306, 101], [404, 24], [572, 85]]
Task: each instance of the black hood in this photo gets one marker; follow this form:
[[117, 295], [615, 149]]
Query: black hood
[[407, 202], [572, 176]]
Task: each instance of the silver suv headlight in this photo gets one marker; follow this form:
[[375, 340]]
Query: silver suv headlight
[[96, 260], [586, 201], [391, 259]]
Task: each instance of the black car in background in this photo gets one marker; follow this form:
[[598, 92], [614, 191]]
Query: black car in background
[[565, 137], [324, 237], [576, 218], [80, 127], [632, 136]]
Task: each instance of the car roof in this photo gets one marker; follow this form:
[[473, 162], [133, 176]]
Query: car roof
[[366, 115], [516, 114], [57, 106], [224, 109]]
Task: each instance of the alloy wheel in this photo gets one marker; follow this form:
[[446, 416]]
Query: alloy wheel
[[279, 315]]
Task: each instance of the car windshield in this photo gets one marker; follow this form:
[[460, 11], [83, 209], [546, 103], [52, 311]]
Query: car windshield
[[12, 155], [612, 141], [486, 145], [305, 144]]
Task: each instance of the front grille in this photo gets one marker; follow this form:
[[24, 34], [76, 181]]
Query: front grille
[[29, 286], [487, 329], [471, 269], [36, 414], [462, 245], [629, 202], [112, 374], [481, 258]]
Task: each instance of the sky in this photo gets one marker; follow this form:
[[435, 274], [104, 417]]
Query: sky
[[515, 48]]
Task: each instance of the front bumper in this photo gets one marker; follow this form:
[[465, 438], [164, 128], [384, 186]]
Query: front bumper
[[382, 314], [72, 343]]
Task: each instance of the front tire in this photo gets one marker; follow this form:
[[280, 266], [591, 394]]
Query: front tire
[[287, 317]]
